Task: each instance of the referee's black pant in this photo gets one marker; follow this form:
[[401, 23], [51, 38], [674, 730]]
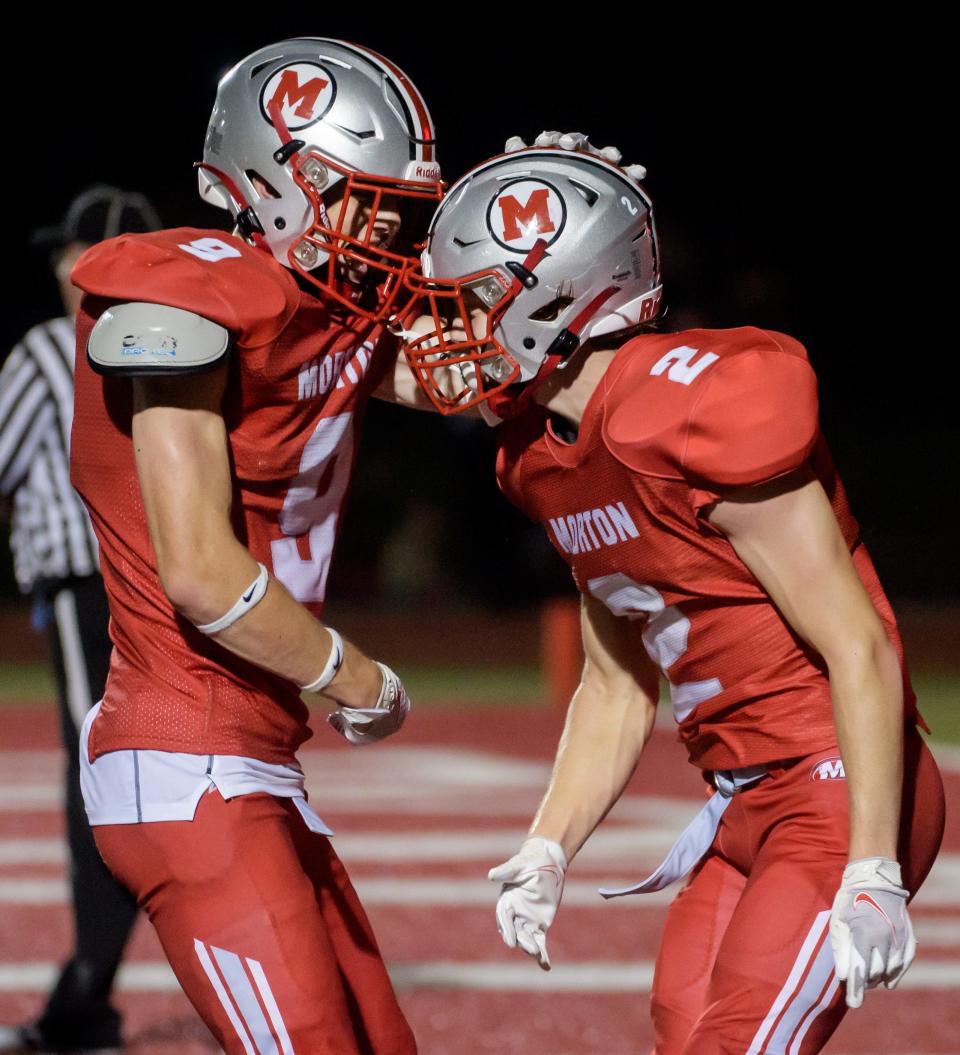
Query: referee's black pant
[[78, 1011]]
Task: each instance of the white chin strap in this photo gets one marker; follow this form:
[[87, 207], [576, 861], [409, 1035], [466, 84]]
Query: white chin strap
[[489, 418]]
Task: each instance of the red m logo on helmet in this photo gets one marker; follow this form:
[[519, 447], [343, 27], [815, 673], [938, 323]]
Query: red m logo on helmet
[[520, 220], [290, 92]]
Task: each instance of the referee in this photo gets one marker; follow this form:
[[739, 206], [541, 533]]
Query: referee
[[55, 560]]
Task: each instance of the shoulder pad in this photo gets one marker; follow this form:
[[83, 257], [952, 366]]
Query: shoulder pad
[[756, 419], [209, 273], [727, 408], [154, 339]]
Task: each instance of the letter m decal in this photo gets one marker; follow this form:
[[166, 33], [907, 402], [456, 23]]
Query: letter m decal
[[290, 91], [830, 769], [535, 215]]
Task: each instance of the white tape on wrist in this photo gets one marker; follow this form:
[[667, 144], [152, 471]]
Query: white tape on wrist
[[250, 598], [334, 661]]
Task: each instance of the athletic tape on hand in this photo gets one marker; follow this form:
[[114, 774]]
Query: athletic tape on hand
[[361, 726]]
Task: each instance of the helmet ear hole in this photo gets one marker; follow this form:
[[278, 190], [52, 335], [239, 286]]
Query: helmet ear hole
[[263, 187], [529, 343], [551, 311]]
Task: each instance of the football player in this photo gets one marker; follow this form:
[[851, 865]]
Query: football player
[[684, 479], [220, 383]]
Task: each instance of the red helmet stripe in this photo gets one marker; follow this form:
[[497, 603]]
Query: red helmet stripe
[[427, 133], [577, 324]]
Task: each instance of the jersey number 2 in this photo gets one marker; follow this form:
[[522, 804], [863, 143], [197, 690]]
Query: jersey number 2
[[312, 509], [682, 365], [665, 636]]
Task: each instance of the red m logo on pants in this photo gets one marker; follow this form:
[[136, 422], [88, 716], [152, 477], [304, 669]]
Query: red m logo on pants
[[828, 769]]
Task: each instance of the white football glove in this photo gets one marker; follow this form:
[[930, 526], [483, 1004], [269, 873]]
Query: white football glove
[[532, 886], [367, 725], [870, 931], [576, 141]]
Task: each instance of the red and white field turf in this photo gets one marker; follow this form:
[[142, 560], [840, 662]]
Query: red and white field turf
[[420, 820]]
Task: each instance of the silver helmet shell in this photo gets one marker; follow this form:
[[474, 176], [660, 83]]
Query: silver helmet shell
[[579, 223], [346, 115]]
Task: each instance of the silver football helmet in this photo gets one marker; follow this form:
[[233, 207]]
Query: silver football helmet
[[304, 124], [529, 255]]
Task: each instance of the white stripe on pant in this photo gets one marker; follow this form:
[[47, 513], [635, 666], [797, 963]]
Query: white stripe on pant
[[798, 1004], [244, 1010]]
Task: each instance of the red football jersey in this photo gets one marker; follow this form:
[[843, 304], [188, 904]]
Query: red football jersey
[[676, 419], [300, 374]]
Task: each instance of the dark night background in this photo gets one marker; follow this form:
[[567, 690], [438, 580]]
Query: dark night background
[[799, 184]]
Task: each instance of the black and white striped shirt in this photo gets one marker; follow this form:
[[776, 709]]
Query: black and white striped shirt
[[51, 537]]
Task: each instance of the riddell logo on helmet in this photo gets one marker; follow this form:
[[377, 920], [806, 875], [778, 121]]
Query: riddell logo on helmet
[[422, 170], [828, 769], [525, 211], [304, 92]]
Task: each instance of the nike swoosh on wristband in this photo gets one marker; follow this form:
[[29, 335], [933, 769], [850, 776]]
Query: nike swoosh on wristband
[[866, 899], [247, 596]]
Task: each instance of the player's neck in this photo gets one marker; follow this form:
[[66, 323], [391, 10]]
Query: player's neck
[[566, 392]]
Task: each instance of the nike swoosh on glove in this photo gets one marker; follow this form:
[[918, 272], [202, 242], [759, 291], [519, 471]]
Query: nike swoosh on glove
[[366, 725], [532, 887], [870, 930]]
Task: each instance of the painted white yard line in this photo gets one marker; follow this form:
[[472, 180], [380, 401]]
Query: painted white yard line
[[32, 851], [477, 892], [420, 768], [935, 932], [495, 802], [17, 798], [947, 756], [426, 891], [618, 844], [628, 850], [942, 886], [155, 977], [519, 977], [34, 891], [417, 768], [941, 890], [470, 892]]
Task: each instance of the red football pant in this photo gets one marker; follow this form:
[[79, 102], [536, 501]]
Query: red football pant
[[745, 965], [263, 929]]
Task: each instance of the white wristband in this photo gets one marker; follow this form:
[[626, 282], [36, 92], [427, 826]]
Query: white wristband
[[250, 598], [334, 660]]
